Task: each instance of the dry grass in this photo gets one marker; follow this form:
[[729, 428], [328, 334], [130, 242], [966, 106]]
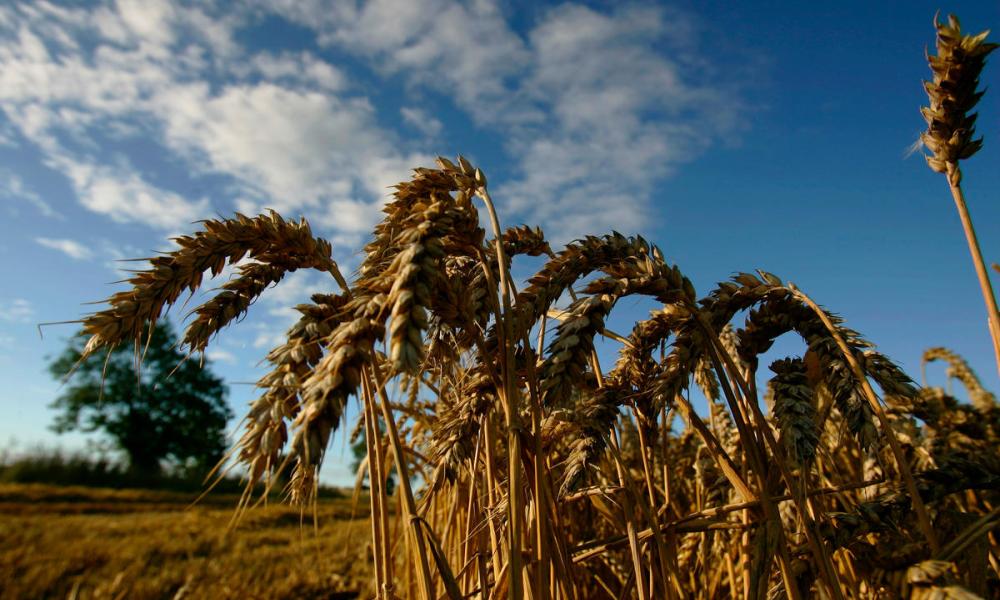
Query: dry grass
[[546, 474], [58, 542]]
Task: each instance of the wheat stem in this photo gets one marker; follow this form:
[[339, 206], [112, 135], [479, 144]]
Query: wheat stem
[[923, 518], [952, 94], [409, 505], [383, 577], [512, 405], [992, 313]]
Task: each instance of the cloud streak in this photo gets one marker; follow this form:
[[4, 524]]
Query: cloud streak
[[16, 310], [13, 187], [70, 248]]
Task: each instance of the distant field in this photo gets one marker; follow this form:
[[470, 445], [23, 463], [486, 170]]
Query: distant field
[[74, 542]]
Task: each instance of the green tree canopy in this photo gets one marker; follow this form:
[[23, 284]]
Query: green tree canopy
[[174, 413]]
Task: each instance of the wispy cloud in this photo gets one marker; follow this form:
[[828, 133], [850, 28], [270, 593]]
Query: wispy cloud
[[118, 258], [467, 49], [13, 188], [296, 288], [300, 71], [621, 116], [123, 195], [290, 149], [278, 303], [16, 310], [219, 355], [596, 106], [284, 127], [422, 121], [70, 248], [62, 97], [268, 336]]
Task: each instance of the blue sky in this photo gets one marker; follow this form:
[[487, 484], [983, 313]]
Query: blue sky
[[734, 135]]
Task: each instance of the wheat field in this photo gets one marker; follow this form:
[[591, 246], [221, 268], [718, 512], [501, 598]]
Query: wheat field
[[529, 469]]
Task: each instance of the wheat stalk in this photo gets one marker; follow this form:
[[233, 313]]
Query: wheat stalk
[[951, 129]]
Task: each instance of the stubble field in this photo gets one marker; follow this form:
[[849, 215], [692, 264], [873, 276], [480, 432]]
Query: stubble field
[[74, 542]]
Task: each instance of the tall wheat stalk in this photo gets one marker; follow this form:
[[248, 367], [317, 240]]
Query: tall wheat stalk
[[950, 133]]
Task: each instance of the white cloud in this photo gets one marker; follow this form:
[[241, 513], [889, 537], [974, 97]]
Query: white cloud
[[111, 80], [275, 312], [13, 188], [596, 106], [55, 94], [70, 248], [148, 20], [622, 117], [466, 49], [280, 125], [267, 135], [17, 310], [422, 121], [299, 70], [124, 196], [219, 355], [120, 259], [292, 150], [269, 336], [296, 288]]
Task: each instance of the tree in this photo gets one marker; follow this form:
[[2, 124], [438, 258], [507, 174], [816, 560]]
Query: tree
[[174, 412]]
